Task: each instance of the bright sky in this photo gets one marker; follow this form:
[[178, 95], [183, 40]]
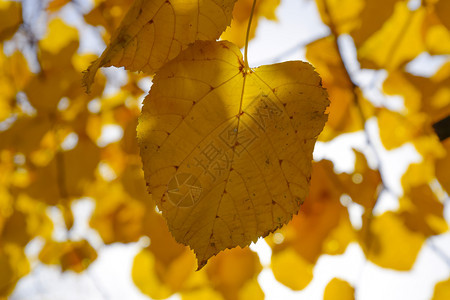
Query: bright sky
[[109, 276]]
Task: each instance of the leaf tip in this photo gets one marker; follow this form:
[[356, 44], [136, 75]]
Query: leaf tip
[[89, 75]]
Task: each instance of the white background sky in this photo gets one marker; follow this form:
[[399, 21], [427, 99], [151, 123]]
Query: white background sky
[[109, 277]]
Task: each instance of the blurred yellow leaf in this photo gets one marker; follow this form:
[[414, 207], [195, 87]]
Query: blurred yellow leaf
[[11, 16], [163, 267], [338, 289], [390, 243], [397, 42], [322, 226], [435, 34], [428, 95], [117, 216], [13, 266], [227, 153], [231, 270], [34, 128], [154, 32], [291, 269], [66, 176], [15, 229], [59, 36], [396, 129], [109, 14], [344, 115], [443, 11], [145, 278], [54, 5], [372, 18], [14, 74], [442, 166], [442, 290], [236, 32], [362, 185], [70, 255], [422, 211], [342, 15]]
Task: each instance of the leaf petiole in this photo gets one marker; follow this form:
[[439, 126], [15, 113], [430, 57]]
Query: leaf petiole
[[247, 68]]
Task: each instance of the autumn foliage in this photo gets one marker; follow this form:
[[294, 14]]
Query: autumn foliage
[[218, 154]]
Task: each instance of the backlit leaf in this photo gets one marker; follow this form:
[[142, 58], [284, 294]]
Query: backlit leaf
[[154, 32], [226, 153]]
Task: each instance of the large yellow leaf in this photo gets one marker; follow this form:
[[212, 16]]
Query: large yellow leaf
[[155, 31], [227, 153], [338, 289]]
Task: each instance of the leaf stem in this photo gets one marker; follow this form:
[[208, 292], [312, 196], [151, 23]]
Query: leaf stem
[[248, 35]]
